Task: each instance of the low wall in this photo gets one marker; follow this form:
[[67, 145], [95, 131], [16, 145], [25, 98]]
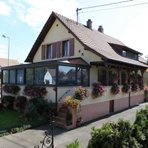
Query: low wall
[[93, 111], [135, 100], [121, 104]]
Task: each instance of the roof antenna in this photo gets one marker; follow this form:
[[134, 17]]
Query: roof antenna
[[77, 13]]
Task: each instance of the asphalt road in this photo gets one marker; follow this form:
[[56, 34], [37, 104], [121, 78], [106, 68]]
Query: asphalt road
[[32, 137]]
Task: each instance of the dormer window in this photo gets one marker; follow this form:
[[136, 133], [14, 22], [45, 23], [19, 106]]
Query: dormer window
[[124, 53], [66, 48]]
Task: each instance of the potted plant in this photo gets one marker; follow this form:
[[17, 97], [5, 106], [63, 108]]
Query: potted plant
[[115, 89], [11, 89], [97, 89], [125, 88], [81, 93]]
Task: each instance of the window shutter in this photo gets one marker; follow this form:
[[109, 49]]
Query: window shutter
[[43, 52], [71, 46], [58, 49]]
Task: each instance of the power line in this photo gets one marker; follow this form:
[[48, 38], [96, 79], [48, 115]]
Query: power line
[[108, 4], [138, 4], [103, 5]]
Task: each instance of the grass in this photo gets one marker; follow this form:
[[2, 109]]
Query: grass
[[10, 122], [8, 118]]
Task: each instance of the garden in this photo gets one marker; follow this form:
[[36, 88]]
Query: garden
[[18, 113]]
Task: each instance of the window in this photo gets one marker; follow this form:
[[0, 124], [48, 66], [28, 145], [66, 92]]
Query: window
[[102, 76], [5, 76], [20, 76], [82, 76], [124, 53], [12, 76], [49, 53], [66, 48], [50, 76], [39, 75], [67, 75], [123, 78], [29, 76], [85, 77]]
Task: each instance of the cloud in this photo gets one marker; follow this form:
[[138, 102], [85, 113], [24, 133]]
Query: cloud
[[4, 8], [35, 12], [3, 51]]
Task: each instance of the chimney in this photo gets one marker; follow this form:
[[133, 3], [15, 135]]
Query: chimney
[[89, 24], [100, 29]]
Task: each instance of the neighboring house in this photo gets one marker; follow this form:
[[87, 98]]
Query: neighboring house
[[4, 63], [67, 54], [145, 75]]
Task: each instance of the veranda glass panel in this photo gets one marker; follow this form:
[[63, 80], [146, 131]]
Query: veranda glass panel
[[20, 76], [39, 75], [50, 76], [79, 76], [67, 75], [5, 76], [12, 76], [85, 77], [29, 76]]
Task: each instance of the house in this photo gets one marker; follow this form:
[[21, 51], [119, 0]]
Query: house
[[67, 54]]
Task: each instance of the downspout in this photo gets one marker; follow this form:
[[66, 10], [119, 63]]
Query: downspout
[[56, 90], [1, 85], [129, 95]]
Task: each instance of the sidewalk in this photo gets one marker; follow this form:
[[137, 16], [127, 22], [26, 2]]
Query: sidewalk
[[32, 137]]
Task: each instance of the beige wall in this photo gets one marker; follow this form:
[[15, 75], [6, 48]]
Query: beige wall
[[59, 33], [145, 77]]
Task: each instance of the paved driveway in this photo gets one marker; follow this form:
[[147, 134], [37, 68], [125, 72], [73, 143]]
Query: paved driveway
[[32, 137]]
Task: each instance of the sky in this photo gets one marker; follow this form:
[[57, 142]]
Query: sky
[[22, 21]]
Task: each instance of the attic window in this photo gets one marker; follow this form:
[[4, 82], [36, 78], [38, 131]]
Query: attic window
[[124, 53]]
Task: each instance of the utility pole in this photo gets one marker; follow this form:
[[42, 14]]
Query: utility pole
[[77, 13]]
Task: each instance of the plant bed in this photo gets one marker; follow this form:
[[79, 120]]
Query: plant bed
[[13, 122]]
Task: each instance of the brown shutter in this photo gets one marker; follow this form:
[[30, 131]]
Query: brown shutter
[[71, 47], [58, 49], [43, 52]]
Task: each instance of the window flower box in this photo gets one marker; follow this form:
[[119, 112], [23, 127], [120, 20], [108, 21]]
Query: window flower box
[[125, 88], [97, 90], [115, 89]]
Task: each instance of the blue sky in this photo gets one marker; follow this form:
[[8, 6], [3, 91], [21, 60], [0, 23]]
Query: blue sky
[[22, 21]]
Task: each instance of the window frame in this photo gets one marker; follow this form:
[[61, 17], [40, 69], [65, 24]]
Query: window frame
[[49, 51], [66, 48], [23, 80]]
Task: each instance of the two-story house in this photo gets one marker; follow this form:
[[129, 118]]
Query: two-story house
[[67, 54]]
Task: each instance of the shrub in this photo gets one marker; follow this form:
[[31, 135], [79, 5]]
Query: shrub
[[74, 144], [37, 106], [97, 89], [8, 101], [113, 135], [115, 89], [21, 102], [140, 127], [12, 89]]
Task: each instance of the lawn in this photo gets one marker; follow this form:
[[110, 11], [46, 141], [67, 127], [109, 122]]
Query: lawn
[[11, 122], [8, 118]]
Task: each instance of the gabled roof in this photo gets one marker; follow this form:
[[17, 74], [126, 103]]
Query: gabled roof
[[4, 62], [91, 39]]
